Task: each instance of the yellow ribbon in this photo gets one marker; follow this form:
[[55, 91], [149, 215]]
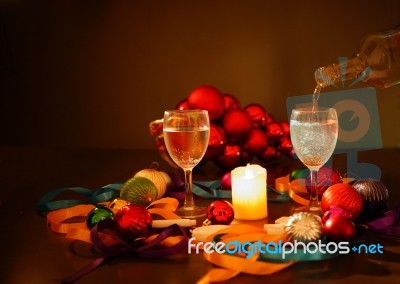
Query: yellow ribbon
[[294, 188], [232, 265], [164, 207]]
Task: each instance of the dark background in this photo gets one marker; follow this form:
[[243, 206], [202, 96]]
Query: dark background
[[95, 73]]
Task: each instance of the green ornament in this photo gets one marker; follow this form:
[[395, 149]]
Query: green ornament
[[98, 214], [299, 173]]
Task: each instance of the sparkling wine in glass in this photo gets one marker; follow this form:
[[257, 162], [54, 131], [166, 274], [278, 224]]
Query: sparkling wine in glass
[[186, 135], [313, 132]]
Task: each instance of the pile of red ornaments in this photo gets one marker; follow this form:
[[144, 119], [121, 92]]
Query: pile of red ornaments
[[237, 134]]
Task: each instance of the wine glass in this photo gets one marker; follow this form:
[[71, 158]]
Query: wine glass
[[313, 132], [186, 135]]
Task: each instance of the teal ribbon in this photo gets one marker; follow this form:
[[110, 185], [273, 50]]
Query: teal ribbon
[[105, 193], [210, 189], [281, 196], [204, 189]]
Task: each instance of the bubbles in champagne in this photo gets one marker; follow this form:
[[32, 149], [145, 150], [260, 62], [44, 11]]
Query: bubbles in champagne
[[314, 142]]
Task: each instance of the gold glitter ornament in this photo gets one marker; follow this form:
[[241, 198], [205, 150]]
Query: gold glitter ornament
[[118, 203], [303, 227]]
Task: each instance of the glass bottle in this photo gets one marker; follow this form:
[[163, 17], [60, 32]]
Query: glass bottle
[[377, 63]]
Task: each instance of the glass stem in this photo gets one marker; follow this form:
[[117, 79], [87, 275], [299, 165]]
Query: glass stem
[[314, 203], [189, 203]]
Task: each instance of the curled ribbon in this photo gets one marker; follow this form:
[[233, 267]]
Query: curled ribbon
[[106, 193], [71, 221], [259, 262], [170, 241], [294, 188], [231, 265]]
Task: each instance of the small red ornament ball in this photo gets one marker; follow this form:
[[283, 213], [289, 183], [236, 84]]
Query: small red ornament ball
[[182, 105], [285, 146], [285, 128], [133, 221], [274, 131], [269, 154], [231, 102], [256, 141], [232, 156], [216, 143], [326, 177], [343, 195], [220, 212], [236, 123], [226, 181], [258, 115], [208, 98], [339, 228], [333, 211]]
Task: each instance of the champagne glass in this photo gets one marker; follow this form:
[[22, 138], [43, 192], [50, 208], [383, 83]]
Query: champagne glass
[[186, 135], [313, 132]]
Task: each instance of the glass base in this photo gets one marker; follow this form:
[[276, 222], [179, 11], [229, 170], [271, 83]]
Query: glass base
[[313, 210], [191, 212]]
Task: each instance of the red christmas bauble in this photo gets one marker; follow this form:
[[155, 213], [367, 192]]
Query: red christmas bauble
[[216, 143], [226, 181], [269, 154], [231, 102], [208, 98], [236, 123], [231, 157], [343, 195], [133, 221], [278, 153], [333, 211], [339, 228], [220, 212], [274, 131], [246, 157], [182, 105], [258, 115], [326, 177], [285, 146], [256, 141], [269, 118], [285, 128]]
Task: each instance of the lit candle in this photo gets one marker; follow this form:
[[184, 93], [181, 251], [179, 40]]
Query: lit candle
[[249, 192]]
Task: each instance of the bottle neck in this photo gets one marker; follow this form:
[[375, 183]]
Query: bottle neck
[[346, 70]]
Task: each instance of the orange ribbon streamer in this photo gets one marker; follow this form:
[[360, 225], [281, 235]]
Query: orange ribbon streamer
[[293, 188], [72, 221], [231, 265], [164, 207]]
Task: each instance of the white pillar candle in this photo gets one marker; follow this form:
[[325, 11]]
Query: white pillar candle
[[249, 192]]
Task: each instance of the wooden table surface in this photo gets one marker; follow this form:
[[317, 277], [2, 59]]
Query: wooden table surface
[[32, 254]]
